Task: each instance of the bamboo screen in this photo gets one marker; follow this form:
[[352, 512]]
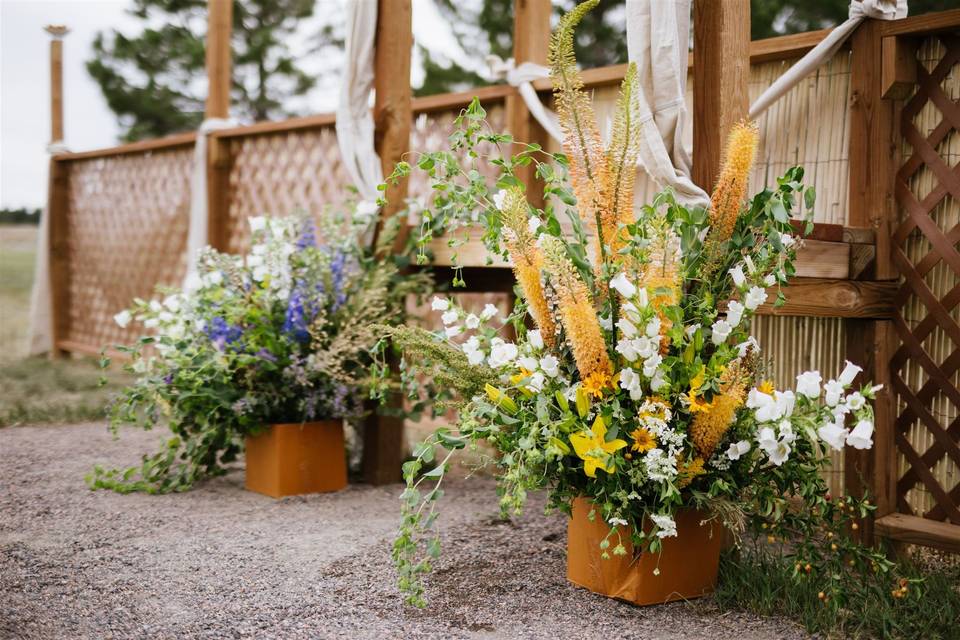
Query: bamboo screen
[[926, 367], [127, 231], [280, 173]]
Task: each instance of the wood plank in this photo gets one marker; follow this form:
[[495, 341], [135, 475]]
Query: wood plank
[[59, 237], [383, 447], [317, 121], [531, 43], [898, 73], [916, 530], [827, 298], [56, 81], [448, 101], [927, 23], [157, 144], [218, 58], [721, 35], [819, 259]]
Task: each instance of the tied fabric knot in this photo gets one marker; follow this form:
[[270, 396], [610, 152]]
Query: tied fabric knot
[[824, 51], [198, 232], [522, 76]]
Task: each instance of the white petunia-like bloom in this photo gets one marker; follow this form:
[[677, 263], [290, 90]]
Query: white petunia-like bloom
[[779, 453], [534, 224], [785, 401], [366, 209], [453, 331], [833, 434], [643, 299], [734, 313], [155, 306], [738, 277], [629, 349], [449, 317], [862, 435], [769, 279], [498, 198], [764, 406], [750, 344], [653, 327], [528, 362], [550, 366], [501, 353], [849, 372], [439, 304], [471, 348], [488, 312], [617, 522], [721, 331], [535, 339], [808, 384], [767, 438], [738, 449], [666, 525], [123, 318], [755, 297], [658, 381], [193, 282], [255, 261], [630, 382], [832, 392], [472, 321], [257, 223], [623, 286], [627, 328], [787, 240], [151, 323], [172, 302], [650, 365], [855, 401], [536, 382]]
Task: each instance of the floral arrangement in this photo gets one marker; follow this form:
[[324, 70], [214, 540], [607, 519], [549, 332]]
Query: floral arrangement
[[631, 378], [283, 334]]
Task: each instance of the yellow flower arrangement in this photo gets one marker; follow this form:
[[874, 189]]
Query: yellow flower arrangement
[[643, 440], [591, 446]]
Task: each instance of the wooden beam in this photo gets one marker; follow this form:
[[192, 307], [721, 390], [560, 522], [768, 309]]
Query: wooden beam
[[59, 239], [57, 33], [916, 530], [898, 72], [721, 54], [157, 144], [383, 446], [939, 22], [219, 26], [827, 298], [531, 43]]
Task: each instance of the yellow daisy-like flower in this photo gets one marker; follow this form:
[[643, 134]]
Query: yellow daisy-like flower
[[767, 387], [520, 376], [643, 440], [591, 447], [697, 404], [596, 382]]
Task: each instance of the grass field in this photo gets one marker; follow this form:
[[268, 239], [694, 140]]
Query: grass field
[[34, 390]]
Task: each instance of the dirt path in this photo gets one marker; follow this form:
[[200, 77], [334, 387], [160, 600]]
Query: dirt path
[[221, 562]]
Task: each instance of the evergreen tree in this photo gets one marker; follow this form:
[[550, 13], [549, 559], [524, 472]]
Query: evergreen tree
[[155, 81]]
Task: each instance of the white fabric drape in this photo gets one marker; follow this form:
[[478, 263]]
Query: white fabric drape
[[878, 9], [197, 230], [355, 130], [522, 76], [658, 33], [41, 302]]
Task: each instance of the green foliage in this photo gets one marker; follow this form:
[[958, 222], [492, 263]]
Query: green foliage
[[905, 600], [153, 81], [23, 215]]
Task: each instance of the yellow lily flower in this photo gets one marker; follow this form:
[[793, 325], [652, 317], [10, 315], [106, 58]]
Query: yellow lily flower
[[591, 446]]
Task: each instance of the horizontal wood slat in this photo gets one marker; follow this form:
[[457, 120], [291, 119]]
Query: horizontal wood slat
[[915, 530]]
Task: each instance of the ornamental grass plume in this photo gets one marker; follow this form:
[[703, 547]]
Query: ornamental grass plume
[[527, 262], [622, 160], [662, 276], [709, 427], [589, 169], [731, 188], [577, 313]]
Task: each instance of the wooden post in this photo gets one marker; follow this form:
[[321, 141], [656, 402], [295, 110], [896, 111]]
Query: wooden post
[[531, 43], [873, 165], [721, 68], [57, 202], [219, 82], [57, 32], [383, 446]]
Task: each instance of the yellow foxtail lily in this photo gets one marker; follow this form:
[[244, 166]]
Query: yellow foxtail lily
[[591, 446]]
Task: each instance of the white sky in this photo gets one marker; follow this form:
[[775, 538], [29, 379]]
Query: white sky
[[89, 124]]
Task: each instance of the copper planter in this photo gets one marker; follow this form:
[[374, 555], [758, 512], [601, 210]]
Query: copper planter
[[293, 459]]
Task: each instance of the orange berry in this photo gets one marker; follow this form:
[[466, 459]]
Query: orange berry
[[854, 526], [821, 595], [833, 547]]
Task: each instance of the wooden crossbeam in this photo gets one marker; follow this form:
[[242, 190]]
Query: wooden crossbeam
[[916, 530]]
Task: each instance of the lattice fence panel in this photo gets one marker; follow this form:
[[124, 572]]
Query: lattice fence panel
[[926, 366], [127, 222], [283, 173]]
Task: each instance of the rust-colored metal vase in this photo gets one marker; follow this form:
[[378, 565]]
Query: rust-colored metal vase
[[687, 565], [293, 459]]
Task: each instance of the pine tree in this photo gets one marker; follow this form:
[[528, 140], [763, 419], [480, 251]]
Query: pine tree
[[155, 81]]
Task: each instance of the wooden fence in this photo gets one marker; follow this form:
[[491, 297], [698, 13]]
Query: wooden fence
[[877, 128]]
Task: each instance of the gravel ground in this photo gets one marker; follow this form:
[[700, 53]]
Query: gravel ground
[[222, 562]]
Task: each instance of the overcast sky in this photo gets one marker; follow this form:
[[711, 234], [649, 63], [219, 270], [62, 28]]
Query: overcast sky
[[89, 124]]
